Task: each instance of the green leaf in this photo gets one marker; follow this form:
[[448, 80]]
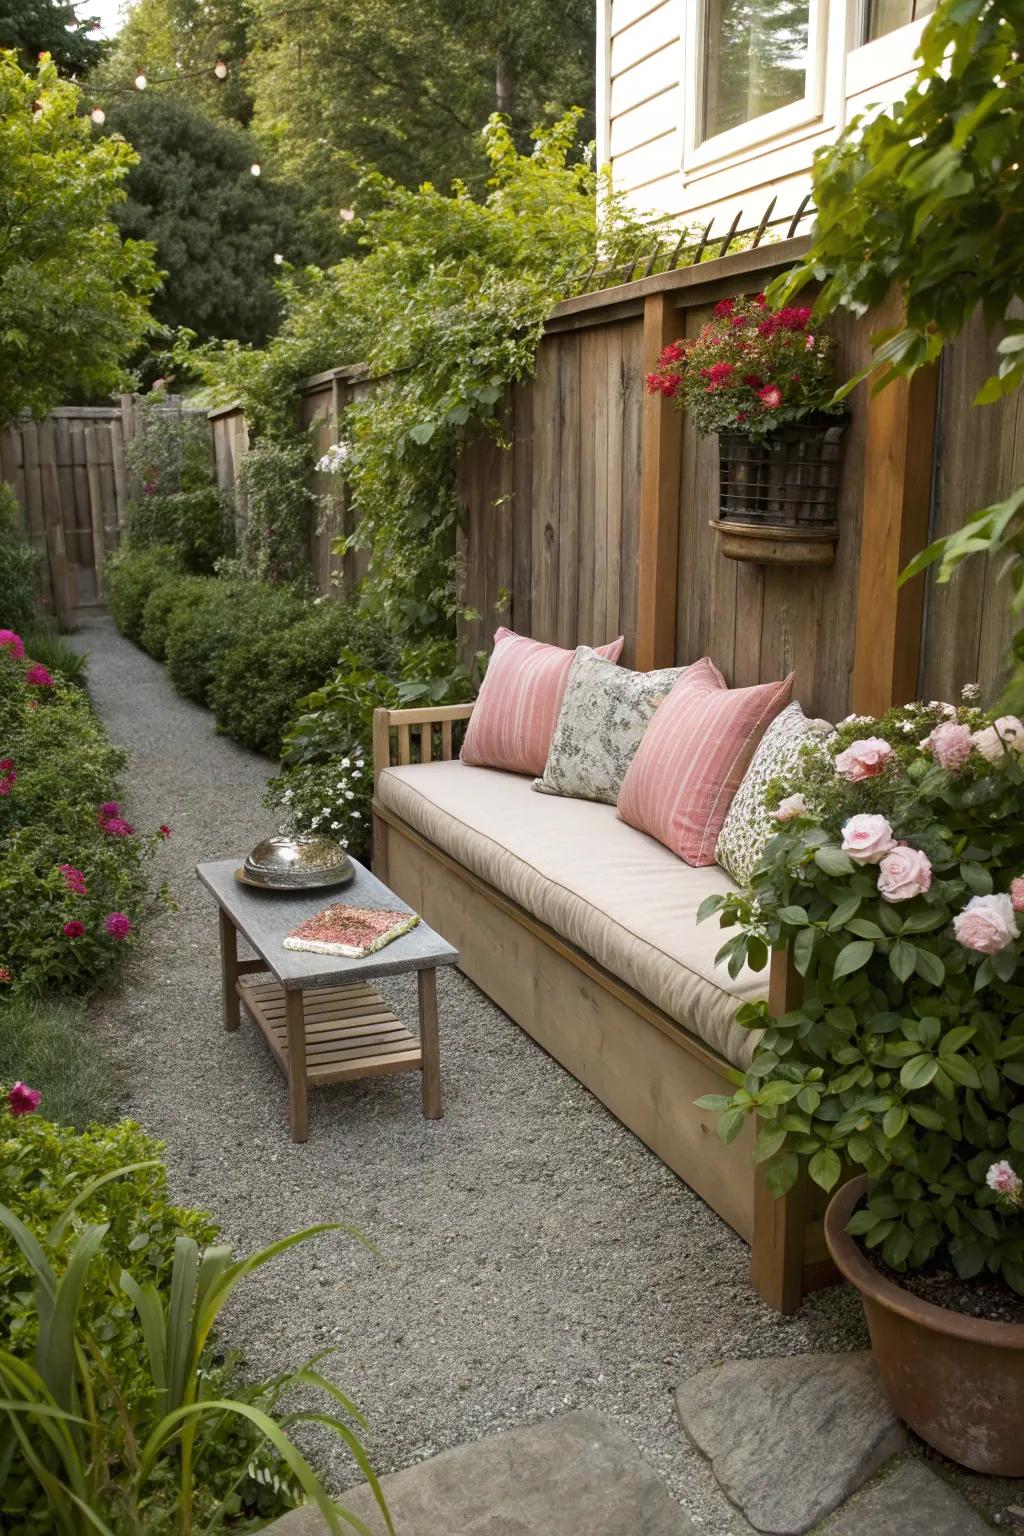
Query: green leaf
[[825, 1168], [833, 861], [768, 1142], [803, 949], [897, 1246], [918, 1072], [731, 1123], [716, 1102], [864, 929], [780, 1176], [862, 1221], [894, 1120], [929, 967], [796, 917], [853, 957], [902, 959], [955, 1039]]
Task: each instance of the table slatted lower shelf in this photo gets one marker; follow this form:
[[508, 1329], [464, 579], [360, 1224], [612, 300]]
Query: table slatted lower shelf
[[350, 1031]]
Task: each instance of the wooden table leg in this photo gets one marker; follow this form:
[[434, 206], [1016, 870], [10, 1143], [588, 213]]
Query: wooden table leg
[[297, 1105], [430, 1044], [229, 971]]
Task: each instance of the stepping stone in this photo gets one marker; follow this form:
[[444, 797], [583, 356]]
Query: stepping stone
[[577, 1475], [789, 1440], [911, 1501]]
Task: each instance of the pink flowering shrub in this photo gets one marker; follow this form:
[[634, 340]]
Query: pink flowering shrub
[[899, 891], [750, 369], [71, 867]]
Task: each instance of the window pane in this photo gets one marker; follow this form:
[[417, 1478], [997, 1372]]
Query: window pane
[[755, 59], [884, 16]]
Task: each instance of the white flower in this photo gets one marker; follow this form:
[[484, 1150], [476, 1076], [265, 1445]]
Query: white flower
[[360, 763], [346, 762], [357, 774], [335, 825], [349, 795], [357, 816], [792, 806], [331, 462], [315, 822], [970, 692]]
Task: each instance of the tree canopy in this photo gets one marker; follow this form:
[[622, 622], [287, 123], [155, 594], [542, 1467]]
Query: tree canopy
[[74, 296], [32, 27], [216, 227]]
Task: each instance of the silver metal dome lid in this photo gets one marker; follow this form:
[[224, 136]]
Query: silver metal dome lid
[[300, 862]]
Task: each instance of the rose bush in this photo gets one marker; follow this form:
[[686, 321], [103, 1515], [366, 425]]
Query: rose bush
[[71, 866], [750, 369], [898, 891]]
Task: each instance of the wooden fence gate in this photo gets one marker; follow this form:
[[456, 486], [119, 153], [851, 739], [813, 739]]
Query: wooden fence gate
[[69, 474]]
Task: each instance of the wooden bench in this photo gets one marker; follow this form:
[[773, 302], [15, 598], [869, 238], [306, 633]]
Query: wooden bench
[[645, 1066]]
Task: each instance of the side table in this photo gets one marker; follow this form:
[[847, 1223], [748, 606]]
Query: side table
[[321, 1017]]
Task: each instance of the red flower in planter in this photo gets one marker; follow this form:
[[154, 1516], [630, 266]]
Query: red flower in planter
[[724, 307], [74, 929], [720, 373], [770, 397]]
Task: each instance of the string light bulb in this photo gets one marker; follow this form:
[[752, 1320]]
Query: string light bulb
[[98, 116], [220, 69], [140, 81], [255, 169]]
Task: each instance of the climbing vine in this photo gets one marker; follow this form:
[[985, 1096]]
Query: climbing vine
[[445, 306]]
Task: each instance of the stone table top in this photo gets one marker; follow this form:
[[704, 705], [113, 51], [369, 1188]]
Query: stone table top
[[265, 918]]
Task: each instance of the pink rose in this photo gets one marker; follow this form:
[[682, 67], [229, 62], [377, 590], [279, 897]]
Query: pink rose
[[903, 874], [23, 1100], [1006, 735], [950, 745], [867, 839], [986, 924], [1017, 893], [1003, 1179], [790, 808], [863, 759]]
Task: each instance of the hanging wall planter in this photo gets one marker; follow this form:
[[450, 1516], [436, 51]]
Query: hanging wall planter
[[761, 380], [778, 495]]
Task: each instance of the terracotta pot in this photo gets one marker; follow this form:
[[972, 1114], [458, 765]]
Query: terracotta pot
[[957, 1381]]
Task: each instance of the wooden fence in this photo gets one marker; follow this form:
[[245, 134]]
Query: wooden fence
[[69, 474], [595, 520]]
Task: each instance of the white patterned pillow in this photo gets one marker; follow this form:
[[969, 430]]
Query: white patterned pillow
[[605, 712], [749, 825]]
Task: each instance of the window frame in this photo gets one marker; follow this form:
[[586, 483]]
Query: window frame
[[778, 127], [871, 64]]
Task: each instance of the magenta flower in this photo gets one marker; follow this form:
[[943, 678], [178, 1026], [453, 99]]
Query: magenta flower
[[74, 929], [165, 831], [5, 975], [9, 641], [118, 828], [73, 879], [118, 925], [110, 808], [23, 1100], [8, 777], [38, 677]]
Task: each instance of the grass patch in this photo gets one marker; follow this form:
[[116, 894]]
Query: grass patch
[[49, 1046]]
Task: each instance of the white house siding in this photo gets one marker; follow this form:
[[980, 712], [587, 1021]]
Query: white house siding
[[643, 66]]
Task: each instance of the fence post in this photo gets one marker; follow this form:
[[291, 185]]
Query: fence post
[[92, 466], [658, 536], [898, 460]]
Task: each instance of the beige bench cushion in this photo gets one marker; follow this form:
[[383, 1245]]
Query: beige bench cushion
[[614, 892]]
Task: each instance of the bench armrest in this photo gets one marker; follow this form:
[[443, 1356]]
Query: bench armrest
[[402, 725]]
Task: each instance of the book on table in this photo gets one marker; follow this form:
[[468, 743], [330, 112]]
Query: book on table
[[350, 932]]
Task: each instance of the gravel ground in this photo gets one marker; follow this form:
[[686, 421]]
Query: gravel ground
[[532, 1255]]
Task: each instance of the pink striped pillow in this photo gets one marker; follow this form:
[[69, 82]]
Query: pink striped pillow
[[515, 714], [691, 760]]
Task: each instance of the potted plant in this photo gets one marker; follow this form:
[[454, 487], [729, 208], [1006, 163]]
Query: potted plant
[[896, 881], [762, 380]]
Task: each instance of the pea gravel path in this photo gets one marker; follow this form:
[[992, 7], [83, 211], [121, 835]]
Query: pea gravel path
[[533, 1256]]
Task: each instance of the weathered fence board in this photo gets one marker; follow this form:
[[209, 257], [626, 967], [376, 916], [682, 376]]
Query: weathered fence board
[[69, 475]]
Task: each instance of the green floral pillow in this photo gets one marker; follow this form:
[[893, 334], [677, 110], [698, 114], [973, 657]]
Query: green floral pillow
[[750, 825]]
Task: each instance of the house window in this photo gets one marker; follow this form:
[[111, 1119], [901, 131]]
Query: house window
[[755, 56], [884, 16]]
